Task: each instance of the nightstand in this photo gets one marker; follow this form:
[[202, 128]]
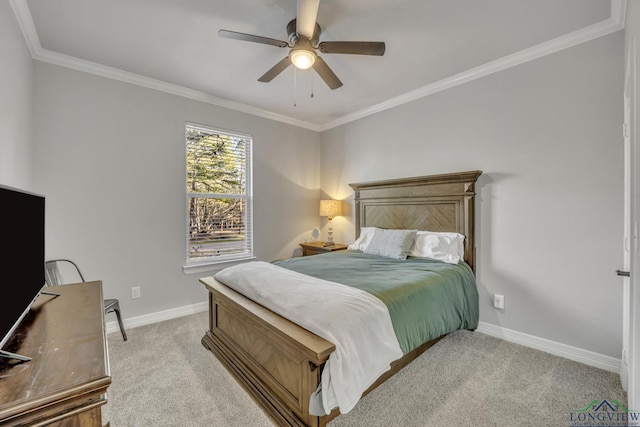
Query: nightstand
[[315, 248]]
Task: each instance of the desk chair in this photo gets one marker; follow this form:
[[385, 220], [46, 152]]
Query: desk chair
[[53, 277]]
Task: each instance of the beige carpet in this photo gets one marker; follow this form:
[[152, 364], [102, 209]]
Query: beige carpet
[[163, 376]]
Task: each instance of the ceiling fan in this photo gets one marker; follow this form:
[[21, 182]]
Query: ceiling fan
[[304, 34]]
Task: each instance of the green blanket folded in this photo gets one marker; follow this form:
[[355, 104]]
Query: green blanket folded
[[426, 298]]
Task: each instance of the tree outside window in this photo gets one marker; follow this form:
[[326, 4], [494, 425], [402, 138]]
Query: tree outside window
[[218, 195]]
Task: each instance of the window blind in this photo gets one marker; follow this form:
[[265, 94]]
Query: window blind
[[219, 195]]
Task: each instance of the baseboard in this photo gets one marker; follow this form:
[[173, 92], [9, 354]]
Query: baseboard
[[147, 319], [576, 354], [587, 357]]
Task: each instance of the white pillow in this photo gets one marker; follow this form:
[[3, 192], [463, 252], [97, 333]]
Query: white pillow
[[447, 247], [366, 233], [391, 243]]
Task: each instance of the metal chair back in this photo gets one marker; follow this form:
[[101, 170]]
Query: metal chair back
[[53, 275]]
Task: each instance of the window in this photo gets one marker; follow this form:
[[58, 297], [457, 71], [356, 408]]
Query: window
[[218, 195]]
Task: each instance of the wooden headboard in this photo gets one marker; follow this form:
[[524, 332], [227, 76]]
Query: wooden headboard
[[436, 203]]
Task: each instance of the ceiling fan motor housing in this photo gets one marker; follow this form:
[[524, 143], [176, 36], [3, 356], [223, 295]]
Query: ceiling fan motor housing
[[295, 38]]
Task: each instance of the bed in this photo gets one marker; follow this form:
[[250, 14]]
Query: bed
[[281, 363]]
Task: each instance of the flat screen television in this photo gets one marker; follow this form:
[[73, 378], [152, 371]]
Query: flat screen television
[[21, 259]]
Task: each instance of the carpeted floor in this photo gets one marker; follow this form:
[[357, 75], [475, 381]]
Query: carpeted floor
[[163, 376]]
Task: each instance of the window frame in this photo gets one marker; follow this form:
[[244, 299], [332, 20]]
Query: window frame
[[219, 261]]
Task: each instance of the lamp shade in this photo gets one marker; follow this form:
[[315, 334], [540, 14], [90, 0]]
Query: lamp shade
[[330, 208]]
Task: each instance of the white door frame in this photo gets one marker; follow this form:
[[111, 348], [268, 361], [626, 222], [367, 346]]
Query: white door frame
[[632, 300], [627, 240]]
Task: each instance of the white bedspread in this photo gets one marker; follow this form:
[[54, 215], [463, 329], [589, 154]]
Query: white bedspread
[[356, 322]]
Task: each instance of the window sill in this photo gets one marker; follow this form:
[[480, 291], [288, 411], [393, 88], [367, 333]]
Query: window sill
[[213, 266]]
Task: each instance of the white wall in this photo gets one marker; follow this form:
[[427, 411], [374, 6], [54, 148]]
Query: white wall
[[109, 157], [547, 136], [16, 103]]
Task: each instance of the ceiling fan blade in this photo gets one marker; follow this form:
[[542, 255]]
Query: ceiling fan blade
[[355, 48], [306, 16], [251, 38], [275, 70], [327, 74]]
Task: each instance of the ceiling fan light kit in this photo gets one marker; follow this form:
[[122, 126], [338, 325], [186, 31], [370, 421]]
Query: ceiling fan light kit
[[303, 46], [302, 57]]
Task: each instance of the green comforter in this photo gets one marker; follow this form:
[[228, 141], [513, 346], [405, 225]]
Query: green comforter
[[425, 298]]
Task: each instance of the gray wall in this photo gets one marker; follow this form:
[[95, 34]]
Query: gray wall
[[110, 158], [547, 135], [16, 103]]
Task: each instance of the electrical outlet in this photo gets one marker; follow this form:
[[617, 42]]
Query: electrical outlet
[[135, 292], [498, 301]]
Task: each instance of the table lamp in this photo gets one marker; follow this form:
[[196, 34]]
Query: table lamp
[[330, 208]]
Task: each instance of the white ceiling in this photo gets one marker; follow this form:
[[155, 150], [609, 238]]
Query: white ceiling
[[172, 45]]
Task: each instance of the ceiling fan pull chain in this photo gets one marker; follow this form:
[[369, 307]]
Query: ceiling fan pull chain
[[295, 78], [312, 80]]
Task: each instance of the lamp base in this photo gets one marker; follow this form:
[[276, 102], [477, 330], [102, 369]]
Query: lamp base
[[329, 241]]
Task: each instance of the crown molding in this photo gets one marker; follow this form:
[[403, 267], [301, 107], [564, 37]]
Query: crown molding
[[62, 60], [38, 53], [619, 11], [23, 15], [566, 41], [600, 29]]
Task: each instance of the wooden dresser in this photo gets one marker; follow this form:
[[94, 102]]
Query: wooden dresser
[[65, 383]]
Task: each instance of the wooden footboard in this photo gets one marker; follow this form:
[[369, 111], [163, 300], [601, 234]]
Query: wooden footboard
[[278, 362]]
